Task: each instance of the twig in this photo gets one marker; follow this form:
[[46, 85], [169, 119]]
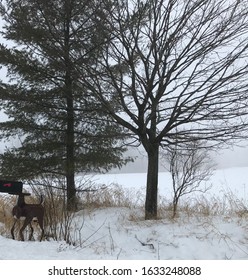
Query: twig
[[92, 235], [150, 245]]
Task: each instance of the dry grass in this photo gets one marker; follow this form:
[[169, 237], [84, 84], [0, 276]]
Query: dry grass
[[6, 204], [227, 205], [58, 221], [111, 196]]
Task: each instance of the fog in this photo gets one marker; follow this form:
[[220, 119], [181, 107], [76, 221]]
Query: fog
[[226, 158], [235, 157]]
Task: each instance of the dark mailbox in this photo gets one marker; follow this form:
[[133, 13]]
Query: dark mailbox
[[12, 187]]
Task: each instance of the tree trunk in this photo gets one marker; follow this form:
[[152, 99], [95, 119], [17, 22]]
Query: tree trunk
[[70, 133], [175, 203], [70, 145], [70, 157], [71, 192], [151, 203]]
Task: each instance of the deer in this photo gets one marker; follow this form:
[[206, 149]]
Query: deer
[[28, 213]]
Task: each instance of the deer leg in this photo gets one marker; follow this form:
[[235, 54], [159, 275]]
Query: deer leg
[[31, 231], [26, 222], [12, 230], [40, 222], [42, 234]]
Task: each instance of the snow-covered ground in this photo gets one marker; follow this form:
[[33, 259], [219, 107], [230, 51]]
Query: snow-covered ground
[[122, 233]]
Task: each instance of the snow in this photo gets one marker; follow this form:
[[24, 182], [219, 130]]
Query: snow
[[121, 233]]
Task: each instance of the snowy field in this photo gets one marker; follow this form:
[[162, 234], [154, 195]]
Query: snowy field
[[122, 233]]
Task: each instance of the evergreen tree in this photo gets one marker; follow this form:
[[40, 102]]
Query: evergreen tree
[[62, 128]]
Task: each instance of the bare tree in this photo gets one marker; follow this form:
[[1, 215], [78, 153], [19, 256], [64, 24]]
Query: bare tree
[[174, 70], [190, 168]]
